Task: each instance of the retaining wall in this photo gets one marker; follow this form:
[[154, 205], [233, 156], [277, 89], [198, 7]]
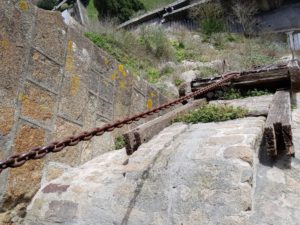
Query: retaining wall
[[54, 83]]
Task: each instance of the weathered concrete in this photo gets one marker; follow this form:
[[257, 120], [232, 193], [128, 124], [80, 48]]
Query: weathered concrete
[[143, 133], [197, 174]]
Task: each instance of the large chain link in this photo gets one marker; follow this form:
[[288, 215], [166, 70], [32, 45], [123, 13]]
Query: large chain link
[[57, 146]]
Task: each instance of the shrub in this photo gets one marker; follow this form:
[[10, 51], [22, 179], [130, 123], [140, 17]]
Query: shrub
[[156, 42], [233, 93], [46, 4], [210, 26], [119, 142], [212, 113], [210, 16], [245, 12], [122, 9]]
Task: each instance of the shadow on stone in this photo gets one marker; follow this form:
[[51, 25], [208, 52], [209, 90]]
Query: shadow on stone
[[282, 161]]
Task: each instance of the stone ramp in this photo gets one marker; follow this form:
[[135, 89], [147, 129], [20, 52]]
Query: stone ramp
[[188, 174], [277, 191]]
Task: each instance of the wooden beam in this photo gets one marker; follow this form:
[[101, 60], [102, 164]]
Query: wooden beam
[[272, 78], [294, 72], [278, 128]]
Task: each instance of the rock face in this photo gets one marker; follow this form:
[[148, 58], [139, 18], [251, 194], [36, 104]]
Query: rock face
[[185, 175]]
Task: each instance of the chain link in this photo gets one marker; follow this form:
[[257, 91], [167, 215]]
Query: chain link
[[54, 147]]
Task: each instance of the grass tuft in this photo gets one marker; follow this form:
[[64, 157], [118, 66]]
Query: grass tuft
[[212, 113]]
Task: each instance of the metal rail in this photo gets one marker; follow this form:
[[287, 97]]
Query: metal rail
[[57, 146]]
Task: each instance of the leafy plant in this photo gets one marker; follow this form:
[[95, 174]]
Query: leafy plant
[[212, 113], [120, 142], [255, 92], [233, 93], [178, 81], [153, 75]]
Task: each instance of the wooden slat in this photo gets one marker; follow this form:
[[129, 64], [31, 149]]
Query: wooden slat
[[278, 129]]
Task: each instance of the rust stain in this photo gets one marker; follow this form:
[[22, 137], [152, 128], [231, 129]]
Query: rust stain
[[23, 5], [75, 83], [55, 188]]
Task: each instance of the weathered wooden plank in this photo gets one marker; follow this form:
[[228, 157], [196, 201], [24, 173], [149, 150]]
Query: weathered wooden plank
[[250, 78], [278, 129], [294, 72]]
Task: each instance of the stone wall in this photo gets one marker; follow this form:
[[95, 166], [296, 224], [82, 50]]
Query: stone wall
[[54, 83]]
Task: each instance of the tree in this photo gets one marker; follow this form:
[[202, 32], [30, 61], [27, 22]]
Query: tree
[[122, 9], [245, 12]]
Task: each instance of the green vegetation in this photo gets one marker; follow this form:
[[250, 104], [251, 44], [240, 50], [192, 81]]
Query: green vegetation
[[46, 4], [150, 48], [121, 9], [236, 94], [178, 81], [206, 72], [156, 42], [119, 142], [91, 10], [212, 113], [154, 4]]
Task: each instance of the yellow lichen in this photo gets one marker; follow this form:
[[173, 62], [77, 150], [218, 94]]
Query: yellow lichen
[[122, 84], [106, 61], [121, 68], [149, 104], [113, 76], [75, 83], [23, 5], [4, 44]]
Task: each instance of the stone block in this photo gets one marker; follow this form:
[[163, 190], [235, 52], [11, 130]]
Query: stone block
[[74, 97], [92, 81], [23, 182], [106, 90], [102, 143], [6, 120], [50, 34], [15, 30], [91, 111], [70, 155], [139, 103], [45, 71], [244, 153], [53, 171], [102, 62], [79, 55], [123, 92], [37, 103], [105, 109]]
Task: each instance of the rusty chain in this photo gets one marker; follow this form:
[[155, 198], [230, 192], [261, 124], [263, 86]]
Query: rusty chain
[[57, 146]]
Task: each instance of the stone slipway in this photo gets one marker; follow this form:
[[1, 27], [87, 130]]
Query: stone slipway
[[191, 175]]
